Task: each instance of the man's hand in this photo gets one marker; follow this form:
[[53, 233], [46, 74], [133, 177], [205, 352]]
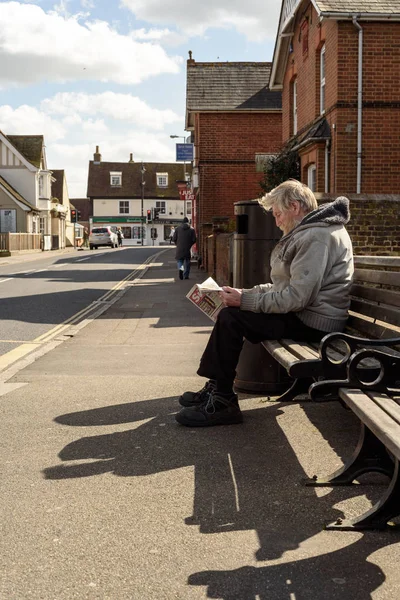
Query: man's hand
[[231, 296]]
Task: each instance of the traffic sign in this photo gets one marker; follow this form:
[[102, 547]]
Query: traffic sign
[[184, 152]]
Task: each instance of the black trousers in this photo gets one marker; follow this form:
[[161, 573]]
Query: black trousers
[[221, 356]]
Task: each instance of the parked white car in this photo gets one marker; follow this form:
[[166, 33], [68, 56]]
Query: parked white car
[[103, 236]]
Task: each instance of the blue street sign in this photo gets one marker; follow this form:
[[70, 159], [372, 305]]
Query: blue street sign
[[184, 152]]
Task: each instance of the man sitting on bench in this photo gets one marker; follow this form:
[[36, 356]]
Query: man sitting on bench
[[311, 273]]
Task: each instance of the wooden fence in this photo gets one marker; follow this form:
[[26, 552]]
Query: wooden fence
[[16, 242]]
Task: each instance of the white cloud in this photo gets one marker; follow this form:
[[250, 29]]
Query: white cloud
[[73, 124], [27, 120], [256, 19], [121, 107], [62, 49], [165, 36]]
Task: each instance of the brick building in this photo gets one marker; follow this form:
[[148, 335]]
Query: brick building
[[235, 122], [337, 63]]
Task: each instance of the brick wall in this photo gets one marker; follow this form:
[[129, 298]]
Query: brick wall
[[381, 100], [374, 224], [226, 145]]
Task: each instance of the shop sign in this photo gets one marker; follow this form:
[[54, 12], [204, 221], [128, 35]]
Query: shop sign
[[118, 219]]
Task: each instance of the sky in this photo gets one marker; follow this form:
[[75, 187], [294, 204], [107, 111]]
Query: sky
[[112, 73]]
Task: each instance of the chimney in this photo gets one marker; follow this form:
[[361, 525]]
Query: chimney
[[97, 156], [190, 60], [131, 158]]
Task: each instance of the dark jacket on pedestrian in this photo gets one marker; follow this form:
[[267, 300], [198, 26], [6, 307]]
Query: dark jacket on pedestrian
[[184, 238]]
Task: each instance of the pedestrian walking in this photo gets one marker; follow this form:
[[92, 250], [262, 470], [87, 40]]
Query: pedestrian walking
[[120, 236], [171, 235], [184, 237]]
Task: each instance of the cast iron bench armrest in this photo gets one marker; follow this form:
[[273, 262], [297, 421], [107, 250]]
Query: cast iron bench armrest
[[385, 375], [353, 343]]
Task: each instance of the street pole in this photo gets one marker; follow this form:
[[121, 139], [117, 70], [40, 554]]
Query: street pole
[[142, 203], [184, 178]]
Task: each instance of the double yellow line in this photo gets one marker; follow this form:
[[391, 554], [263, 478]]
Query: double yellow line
[[25, 348], [78, 317]]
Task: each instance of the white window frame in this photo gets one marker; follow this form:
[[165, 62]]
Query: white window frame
[[115, 179], [42, 225], [123, 207], [188, 207], [294, 98], [162, 180], [312, 177], [322, 73], [162, 205], [41, 186]]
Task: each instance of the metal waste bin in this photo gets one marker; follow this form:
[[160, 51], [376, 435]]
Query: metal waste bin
[[255, 237]]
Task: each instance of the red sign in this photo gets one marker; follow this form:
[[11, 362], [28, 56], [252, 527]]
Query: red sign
[[184, 192]]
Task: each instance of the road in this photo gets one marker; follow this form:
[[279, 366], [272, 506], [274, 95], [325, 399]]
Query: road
[[38, 296]]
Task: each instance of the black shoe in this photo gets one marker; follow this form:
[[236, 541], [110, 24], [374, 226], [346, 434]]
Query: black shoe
[[218, 410], [197, 398], [180, 274], [186, 278]]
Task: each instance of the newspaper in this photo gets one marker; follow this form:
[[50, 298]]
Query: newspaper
[[206, 297]]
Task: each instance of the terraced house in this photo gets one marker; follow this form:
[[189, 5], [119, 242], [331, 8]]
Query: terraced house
[[25, 185], [337, 63]]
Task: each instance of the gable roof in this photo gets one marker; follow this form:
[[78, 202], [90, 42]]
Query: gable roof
[[370, 10], [225, 86], [30, 146], [15, 195], [84, 206], [99, 180]]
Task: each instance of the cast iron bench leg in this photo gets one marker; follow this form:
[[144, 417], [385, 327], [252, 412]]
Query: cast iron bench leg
[[379, 516], [369, 455]]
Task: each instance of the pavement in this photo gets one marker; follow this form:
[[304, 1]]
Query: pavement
[[104, 496]]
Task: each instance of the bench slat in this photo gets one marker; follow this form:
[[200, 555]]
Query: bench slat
[[372, 276], [369, 329], [390, 406], [382, 313], [371, 414], [300, 349], [285, 358], [376, 294], [381, 261]]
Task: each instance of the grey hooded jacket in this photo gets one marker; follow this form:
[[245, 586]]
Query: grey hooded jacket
[[311, 271]]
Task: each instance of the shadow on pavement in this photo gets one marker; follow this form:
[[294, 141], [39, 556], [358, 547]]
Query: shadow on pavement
[[344, 574], [246, 478]]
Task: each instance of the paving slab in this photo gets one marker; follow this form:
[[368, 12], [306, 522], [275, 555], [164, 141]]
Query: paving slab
[[104, 496]]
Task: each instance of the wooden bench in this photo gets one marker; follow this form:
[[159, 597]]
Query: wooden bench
[[374, 322], [377, 405]]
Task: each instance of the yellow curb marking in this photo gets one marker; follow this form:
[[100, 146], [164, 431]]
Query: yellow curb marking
[[15, 354]]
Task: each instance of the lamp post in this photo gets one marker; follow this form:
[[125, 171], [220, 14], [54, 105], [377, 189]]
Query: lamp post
[[143, 171], [184, 168]]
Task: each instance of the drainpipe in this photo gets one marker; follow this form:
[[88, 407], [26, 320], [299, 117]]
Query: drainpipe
[[359, 102], [327, 161]]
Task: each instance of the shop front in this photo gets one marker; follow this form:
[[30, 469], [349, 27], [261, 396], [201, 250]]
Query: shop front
[[155, 233]]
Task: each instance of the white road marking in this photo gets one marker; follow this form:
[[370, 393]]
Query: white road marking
[[234, 483], [3, 280], [82, 259]]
